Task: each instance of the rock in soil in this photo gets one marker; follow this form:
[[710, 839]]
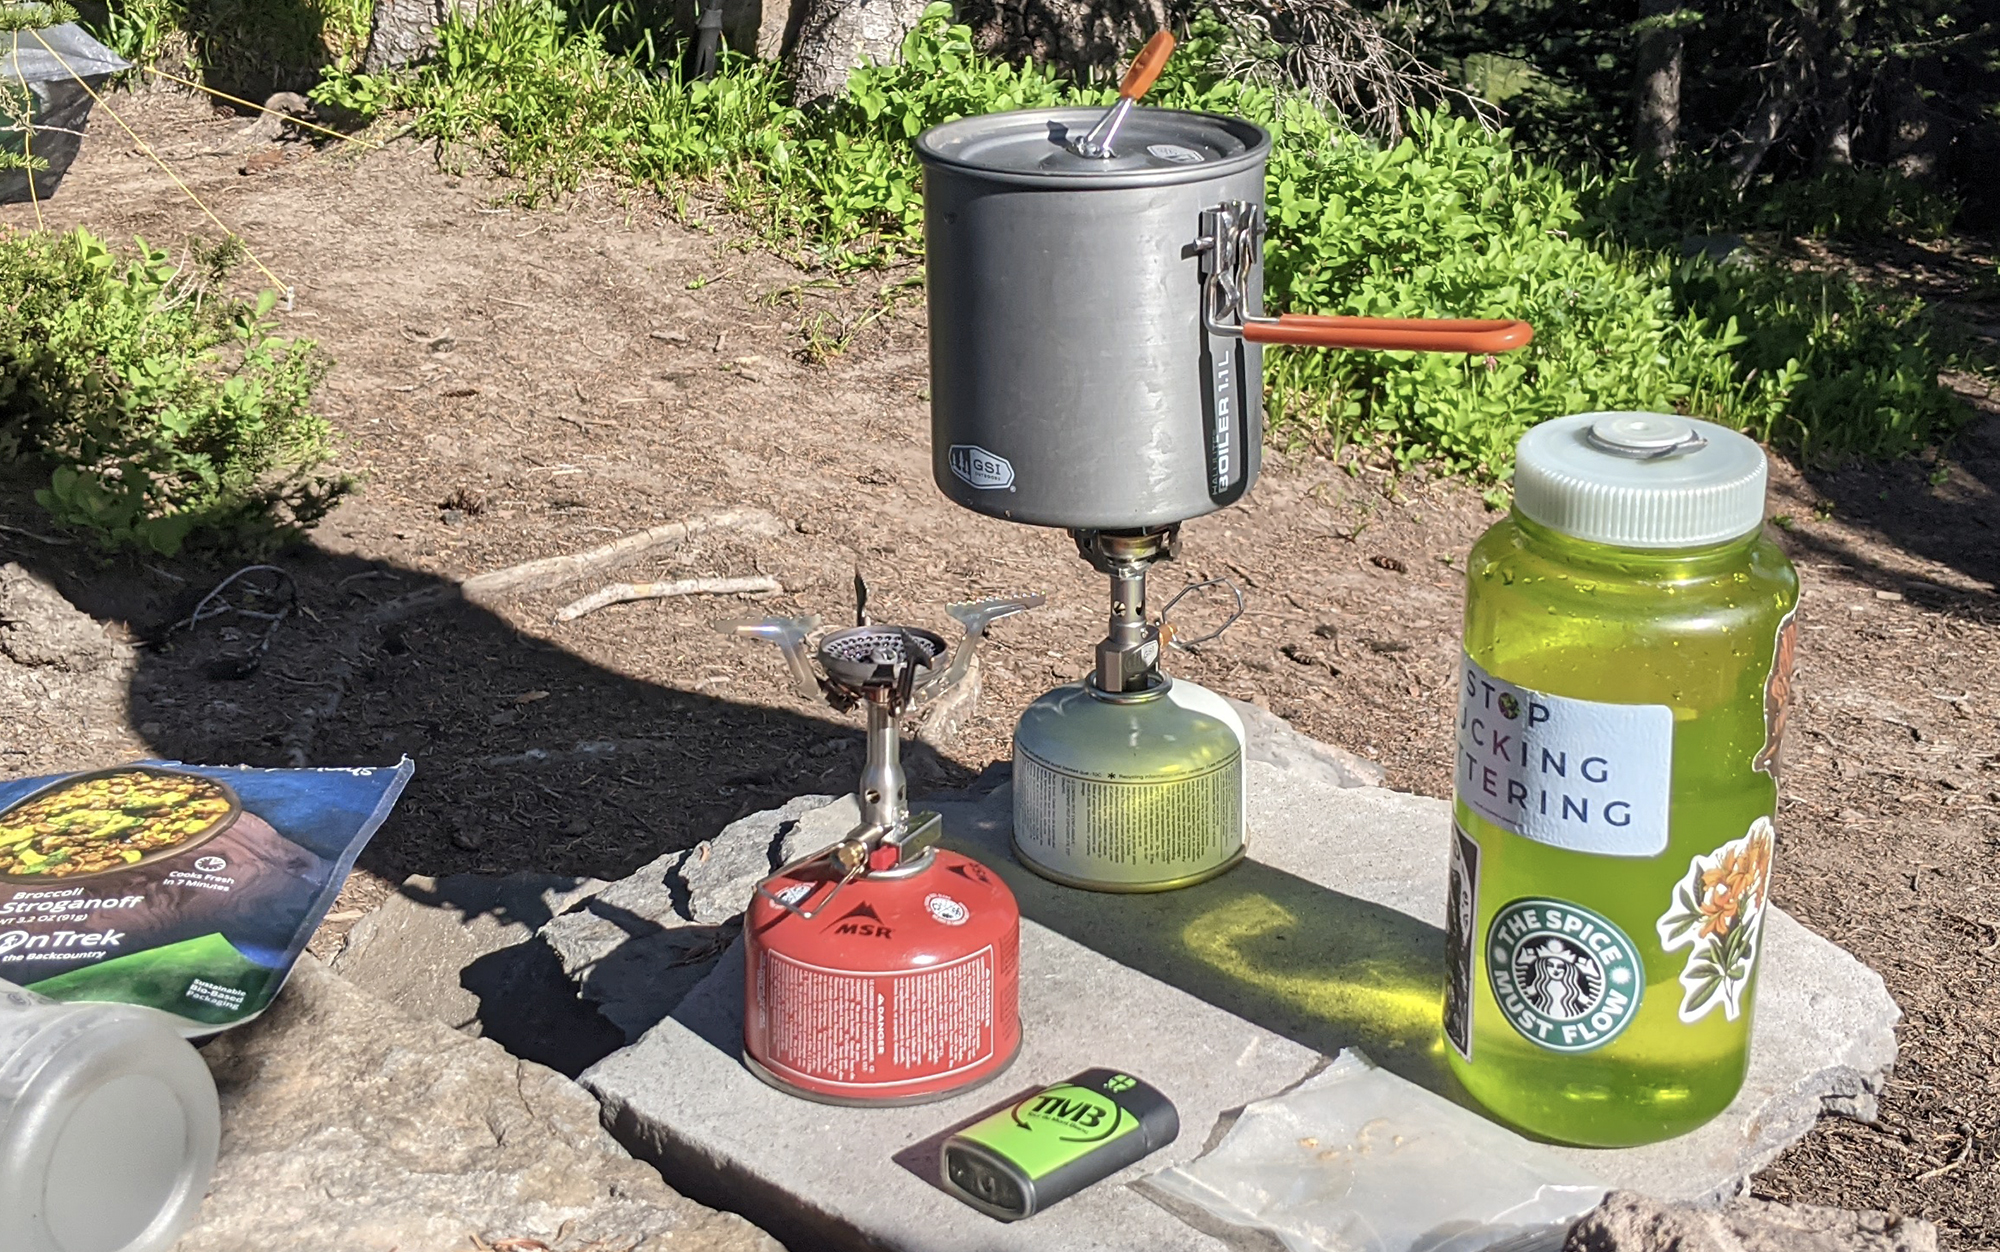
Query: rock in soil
[[1628, 1222], [642, 943], [63, 683], [462, 950], [40, 628], [349, 1125]]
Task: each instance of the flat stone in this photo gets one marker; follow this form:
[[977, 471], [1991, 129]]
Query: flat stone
[[348, 1123], [1276, 741], [825, 1177], [636, 947], [1825, 1036], [1329, 936], [39, 628], [462, 950], [1626, 1222]]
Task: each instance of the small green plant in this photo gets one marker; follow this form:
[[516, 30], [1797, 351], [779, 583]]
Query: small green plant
[[17, 17], [162, 410]]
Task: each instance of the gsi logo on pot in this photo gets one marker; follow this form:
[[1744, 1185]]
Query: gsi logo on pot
[[982, 469]]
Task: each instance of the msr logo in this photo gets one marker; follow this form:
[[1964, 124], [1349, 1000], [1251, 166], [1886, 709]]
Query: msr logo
[[861, 920], [977, 467]]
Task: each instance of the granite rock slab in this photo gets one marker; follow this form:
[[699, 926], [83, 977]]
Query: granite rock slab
[[826, 1177], [1331, 934], [462, 950], [349, 1125], [637, 947], [1275, 741], [1328, 936]]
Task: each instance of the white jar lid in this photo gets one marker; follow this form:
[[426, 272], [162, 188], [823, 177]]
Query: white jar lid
[[1640, 480]]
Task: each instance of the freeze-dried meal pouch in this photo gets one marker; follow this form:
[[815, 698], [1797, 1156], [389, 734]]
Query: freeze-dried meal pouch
[[186, 888]]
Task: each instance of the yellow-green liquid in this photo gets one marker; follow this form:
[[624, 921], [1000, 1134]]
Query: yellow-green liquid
[[1694, 630]]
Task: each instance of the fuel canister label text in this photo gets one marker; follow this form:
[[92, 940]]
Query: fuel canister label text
[[976, 467], [1575, 774]]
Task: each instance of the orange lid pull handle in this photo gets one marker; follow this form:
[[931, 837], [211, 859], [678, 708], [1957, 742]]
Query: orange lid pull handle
[[1146, 66]]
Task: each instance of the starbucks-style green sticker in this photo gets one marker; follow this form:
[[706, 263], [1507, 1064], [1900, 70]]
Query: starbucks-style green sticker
[[1565, 977]]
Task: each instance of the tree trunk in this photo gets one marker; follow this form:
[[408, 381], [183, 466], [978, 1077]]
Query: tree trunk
[[1765, 126], [1836, 96], [1914, 134], [837, 35], [406, 30], [1083, 38], [1796, 57], [1659, 84]]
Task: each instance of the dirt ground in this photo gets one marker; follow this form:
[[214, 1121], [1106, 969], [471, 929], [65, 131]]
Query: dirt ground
[[514, 384]]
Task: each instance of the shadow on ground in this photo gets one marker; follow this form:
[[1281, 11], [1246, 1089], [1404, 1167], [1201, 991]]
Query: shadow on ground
[[529, 758], [1949, 514]]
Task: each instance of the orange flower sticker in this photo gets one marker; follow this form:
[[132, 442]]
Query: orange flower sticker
[[1718, 913]]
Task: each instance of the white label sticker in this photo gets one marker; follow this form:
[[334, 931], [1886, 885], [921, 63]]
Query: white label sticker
[[1175, 153], [985, 470], [1576, 774]]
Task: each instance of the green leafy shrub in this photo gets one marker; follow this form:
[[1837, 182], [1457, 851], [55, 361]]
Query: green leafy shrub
[[1851, 372], [1450, 222], [34, 16], [161, 411], [544, 99]]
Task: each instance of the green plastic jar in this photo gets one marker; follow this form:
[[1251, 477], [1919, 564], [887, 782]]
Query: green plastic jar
[[1628, 641]]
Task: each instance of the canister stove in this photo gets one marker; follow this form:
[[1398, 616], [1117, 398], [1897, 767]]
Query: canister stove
[[881, 969]]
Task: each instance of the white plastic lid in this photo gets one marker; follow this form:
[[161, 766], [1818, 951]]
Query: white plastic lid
[[1640, 480], [108, 1128]]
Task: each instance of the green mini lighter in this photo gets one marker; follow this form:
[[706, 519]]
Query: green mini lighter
[[1056, 1142]]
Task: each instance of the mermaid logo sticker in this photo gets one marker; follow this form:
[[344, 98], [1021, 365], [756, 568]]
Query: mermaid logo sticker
[[1565, 978]]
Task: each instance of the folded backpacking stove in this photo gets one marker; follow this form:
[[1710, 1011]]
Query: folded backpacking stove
[[882, 969], [1096, 328]]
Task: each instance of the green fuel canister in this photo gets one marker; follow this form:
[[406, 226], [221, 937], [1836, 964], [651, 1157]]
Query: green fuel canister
[[1057, 1141], [1626, 672]]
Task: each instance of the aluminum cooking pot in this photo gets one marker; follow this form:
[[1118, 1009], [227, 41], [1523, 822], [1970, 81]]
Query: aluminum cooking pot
[[1096, 322]]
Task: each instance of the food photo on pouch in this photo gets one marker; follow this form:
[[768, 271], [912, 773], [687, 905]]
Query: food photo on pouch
[[369, 883]]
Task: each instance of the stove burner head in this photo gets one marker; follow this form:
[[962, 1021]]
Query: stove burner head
[[862, 657]]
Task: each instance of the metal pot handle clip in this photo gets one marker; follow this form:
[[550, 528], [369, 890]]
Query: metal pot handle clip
[[1232, 234]]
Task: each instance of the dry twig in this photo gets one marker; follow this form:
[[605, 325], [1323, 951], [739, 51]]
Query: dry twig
[[622, 593], [52, 540], [551, 572]]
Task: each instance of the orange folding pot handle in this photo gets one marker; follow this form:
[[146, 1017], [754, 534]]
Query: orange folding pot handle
[[1390, 334], [1147, 66]]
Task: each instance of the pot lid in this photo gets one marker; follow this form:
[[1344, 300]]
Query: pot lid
[[1154, 146]]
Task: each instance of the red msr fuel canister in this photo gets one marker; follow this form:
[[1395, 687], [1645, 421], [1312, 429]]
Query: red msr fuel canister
[[882, 969], [892, 986]]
